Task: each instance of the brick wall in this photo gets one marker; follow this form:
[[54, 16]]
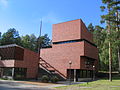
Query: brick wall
[[60, 54], [71, 30], [7, 63], [91, 51], [66, 31], [85, 34], [30, 62]]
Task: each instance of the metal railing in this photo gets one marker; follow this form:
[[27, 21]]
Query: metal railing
[[45, 65]]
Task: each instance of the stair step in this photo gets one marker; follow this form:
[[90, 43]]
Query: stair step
[[52, 70], [45, 66], [49, 68]]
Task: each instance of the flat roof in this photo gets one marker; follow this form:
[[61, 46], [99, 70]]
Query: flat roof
[[10, 45], [68, 21]]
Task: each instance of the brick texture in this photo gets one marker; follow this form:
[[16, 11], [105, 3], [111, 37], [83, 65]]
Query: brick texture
[[30, 62], [60, 54], [66, 31], [7, 63]]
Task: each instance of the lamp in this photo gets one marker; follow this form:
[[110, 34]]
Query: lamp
[[93, 72]]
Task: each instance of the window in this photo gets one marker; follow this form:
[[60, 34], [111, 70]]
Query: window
[[89, 62], [20, 73], [72, 41], [85, 73], [69, 41], [7, 71]]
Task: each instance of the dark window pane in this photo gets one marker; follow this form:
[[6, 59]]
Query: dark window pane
[[7, 71], [20, 73]]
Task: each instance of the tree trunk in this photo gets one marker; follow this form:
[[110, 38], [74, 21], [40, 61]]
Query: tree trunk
[[119, 60], [117, 29], [110, 62], [110, 53], [110, 49]]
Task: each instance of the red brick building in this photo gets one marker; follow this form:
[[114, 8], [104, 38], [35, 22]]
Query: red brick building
[[72, 54], [17, 62], [73, 51]]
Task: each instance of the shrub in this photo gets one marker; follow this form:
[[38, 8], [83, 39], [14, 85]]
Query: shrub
[[54, 79], [45, 79]]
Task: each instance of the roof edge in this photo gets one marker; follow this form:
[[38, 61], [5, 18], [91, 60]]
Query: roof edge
[[10, 45], [68, 21]]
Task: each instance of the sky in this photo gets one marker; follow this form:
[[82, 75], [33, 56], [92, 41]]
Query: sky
[[25, 15]]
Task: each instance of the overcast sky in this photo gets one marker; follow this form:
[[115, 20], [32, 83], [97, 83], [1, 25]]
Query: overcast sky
[[25, 15]]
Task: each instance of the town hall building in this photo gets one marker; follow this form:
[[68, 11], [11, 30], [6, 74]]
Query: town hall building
[[72, 55]]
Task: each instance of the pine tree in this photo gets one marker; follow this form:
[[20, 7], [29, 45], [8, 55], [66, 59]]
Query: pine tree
[[112, 20], [91, 27]]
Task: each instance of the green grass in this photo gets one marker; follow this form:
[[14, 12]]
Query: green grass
[[95, 85]]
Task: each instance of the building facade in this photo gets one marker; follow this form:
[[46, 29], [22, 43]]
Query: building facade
[[17, 62], [73, 53]]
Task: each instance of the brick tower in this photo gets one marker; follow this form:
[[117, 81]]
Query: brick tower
[[73, 53]]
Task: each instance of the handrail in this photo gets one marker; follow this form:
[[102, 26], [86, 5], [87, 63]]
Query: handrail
[[52, 68]]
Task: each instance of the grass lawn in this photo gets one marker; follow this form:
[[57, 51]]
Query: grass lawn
[[102, 84]]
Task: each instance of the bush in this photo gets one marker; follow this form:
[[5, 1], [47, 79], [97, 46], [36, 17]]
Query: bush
[[54, 79], [45, 79]]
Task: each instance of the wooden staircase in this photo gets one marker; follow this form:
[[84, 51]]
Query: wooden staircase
[[50, 69]]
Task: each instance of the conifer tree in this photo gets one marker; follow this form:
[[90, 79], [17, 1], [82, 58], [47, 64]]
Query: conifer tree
[[111, 18]]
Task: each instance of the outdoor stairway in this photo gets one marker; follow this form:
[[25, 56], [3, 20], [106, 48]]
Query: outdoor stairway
[[50, 69]]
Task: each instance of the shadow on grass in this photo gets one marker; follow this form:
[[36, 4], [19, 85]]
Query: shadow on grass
[[116, 78], [105, 75], [113, 78]]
